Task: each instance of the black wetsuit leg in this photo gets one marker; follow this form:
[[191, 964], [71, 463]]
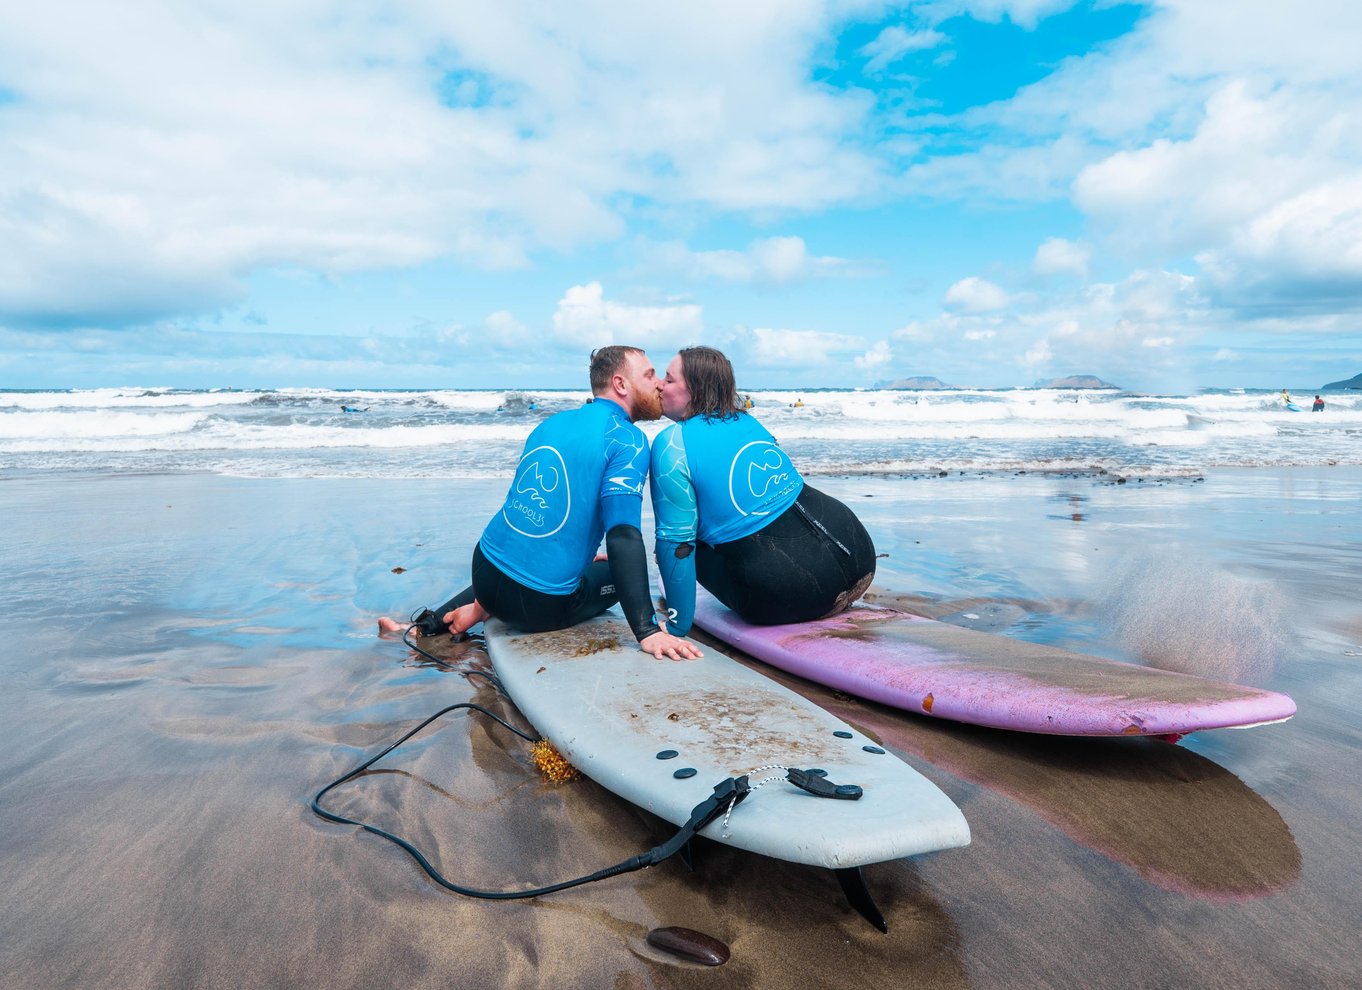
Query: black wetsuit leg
[[813, 560], [529, 610]]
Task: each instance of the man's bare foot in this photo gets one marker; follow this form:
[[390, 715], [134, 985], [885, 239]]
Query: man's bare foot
[[464, 618], [387, 625]]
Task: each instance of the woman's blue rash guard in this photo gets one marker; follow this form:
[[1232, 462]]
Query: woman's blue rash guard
[[718, 480], [581, 474]]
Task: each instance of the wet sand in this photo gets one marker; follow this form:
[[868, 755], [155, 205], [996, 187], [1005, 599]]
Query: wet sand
[[191, 657]]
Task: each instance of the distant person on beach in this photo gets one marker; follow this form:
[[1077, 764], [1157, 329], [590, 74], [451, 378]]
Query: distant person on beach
[[733, 512], [536, 565], [1318, 405]]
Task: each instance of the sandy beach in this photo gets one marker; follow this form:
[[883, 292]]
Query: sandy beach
[[191, 656]]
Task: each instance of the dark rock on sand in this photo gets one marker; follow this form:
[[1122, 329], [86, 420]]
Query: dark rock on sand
[[690, 945]]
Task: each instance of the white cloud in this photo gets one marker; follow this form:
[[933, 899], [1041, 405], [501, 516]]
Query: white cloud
[[1026, 13], [1037, 356], [1249, 155], [801, 348], [894, 42], [160, 153], [1266, 193], [1238, 137], [586, 319], [1057, 256], [1136, 329], [766, 261], [975, 295], [879, 355], [504, 331]]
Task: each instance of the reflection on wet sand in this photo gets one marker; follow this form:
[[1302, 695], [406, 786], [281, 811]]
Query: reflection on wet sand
[[1176, 818]]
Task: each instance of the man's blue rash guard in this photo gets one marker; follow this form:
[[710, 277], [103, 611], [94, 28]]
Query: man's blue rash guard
[[582, 474], [718, 480]]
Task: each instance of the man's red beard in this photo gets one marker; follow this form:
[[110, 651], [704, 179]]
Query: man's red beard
[[647, 404]]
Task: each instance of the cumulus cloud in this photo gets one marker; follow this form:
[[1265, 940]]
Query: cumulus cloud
[[879, 355], [975, 295], [1237, 142], [162, 153], [1139, 328], [1265, 190], [1057, 256], [586, 319], [765, 261], [801, 348]]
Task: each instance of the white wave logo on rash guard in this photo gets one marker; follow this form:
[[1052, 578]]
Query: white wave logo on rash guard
[[760, 474], [540, 500], [630, 439]]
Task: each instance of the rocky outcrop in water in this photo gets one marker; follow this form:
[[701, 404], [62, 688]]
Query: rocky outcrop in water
[[1354, 382], [1076, 381], [925, 383]]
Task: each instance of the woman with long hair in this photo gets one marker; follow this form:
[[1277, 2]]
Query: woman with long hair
[[735, 514]]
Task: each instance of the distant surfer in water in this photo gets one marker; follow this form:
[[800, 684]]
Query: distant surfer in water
[[733, 512], [580, 477], [1318, 405]]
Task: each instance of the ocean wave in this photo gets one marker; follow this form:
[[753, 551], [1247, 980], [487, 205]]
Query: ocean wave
[[60, 426], [129, 432], [118, 398], [303, 432]]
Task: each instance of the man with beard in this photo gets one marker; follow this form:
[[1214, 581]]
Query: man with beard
[[581, 476]]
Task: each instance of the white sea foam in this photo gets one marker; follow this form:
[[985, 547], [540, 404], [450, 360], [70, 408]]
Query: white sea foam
[[307, 432], [128, 432], [119, 398], [59, 427]]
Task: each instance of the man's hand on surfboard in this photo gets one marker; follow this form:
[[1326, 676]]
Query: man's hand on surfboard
[[665, 646]]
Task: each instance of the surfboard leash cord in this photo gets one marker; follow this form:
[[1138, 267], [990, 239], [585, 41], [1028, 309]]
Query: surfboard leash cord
[[445, 664], [727, 795]]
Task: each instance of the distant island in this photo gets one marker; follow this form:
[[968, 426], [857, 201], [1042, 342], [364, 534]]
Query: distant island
[[1354, 382], [1076, 381], [923, 384]]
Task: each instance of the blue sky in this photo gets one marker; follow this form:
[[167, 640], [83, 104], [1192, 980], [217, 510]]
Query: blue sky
[[426, 193]]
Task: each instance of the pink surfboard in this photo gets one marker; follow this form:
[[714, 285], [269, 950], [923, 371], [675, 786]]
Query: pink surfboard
[[937, 669]]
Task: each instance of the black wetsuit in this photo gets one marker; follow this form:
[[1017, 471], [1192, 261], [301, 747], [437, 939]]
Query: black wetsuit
[[813, 560]]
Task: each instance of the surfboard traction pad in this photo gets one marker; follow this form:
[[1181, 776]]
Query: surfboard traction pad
[[947, 671], [735, 732]]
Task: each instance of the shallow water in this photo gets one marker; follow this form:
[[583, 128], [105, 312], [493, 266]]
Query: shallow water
[[194, 657]]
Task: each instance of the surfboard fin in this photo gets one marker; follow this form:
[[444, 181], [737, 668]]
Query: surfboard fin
[[858, 896]]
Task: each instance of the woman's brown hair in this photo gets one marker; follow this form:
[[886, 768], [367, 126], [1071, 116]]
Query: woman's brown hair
[[709, 377]]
